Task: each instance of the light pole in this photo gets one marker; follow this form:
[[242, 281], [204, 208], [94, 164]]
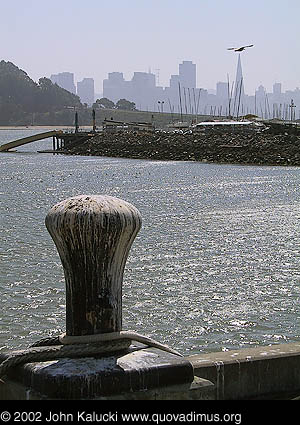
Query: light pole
[[162, 106], [292, 106]]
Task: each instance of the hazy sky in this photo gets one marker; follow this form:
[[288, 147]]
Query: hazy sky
[[94, 37]]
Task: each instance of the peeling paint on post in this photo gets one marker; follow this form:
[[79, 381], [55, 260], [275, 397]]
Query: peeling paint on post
[[93, 235]]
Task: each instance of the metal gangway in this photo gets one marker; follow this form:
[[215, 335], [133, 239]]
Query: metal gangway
[[23, 141]]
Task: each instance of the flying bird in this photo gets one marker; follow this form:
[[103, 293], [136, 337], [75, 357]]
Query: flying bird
[[240, 49]]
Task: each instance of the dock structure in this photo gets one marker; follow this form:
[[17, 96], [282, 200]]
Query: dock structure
[[67, 139], [24, 140], [60, 138]]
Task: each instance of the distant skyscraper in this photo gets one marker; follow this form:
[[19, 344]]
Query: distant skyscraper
[[64, 80], [86, 91], [187, 74], [277, 89], [114, 87], [260, 101], [222, 90], [174, 80], [143, 90], [143, 80]]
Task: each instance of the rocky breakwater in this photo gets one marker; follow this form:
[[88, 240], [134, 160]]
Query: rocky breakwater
[[240, 148]]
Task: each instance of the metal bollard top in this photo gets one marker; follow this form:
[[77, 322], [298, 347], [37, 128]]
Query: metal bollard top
[[93, 235]]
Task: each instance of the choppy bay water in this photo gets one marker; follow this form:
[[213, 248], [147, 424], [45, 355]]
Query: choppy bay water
[[215, 266]]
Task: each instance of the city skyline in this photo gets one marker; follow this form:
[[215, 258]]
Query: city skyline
[[102, 37], [172, 81], [183, 96], [213, 89]]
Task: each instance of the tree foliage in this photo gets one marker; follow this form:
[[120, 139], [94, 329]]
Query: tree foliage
[[20, 95], [104, 103], [125, 105], [53, 97], [23, 101]]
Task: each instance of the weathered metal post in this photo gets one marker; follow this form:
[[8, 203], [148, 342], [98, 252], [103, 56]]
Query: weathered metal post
[[94, 121], [93, 235], [76, 122]]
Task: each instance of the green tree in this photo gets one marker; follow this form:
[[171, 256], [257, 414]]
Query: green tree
[[125, 105], [53, 97], [16, 87], [104, 103], [20, 96]]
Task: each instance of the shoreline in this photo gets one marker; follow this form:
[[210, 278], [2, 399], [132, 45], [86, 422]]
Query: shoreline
[[226, 148], [42, 127]]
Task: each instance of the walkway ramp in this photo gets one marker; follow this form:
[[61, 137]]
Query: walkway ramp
[[29, 139]]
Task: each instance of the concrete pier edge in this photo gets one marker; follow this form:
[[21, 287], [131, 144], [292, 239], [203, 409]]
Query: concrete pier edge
[[264, 372]]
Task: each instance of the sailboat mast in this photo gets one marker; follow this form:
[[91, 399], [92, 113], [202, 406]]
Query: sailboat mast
[[180, 103]]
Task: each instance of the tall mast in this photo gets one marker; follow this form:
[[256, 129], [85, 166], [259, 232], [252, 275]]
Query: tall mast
[[180, 101]]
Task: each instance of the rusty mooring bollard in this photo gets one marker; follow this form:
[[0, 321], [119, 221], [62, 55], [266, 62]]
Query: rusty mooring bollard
[[93, 235]]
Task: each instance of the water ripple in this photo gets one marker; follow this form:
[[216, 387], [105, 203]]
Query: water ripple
[[215, 266]]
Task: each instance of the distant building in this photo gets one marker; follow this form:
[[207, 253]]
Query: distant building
[[174, 80], [187, 74], [64, 80], [277, 89], [182, 96], [115, 87], [143, 80], [143, 91], [86, 91], [260, 101], [222, 91]]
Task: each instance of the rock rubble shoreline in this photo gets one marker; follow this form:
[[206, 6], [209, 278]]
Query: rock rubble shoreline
[[240, 148]]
